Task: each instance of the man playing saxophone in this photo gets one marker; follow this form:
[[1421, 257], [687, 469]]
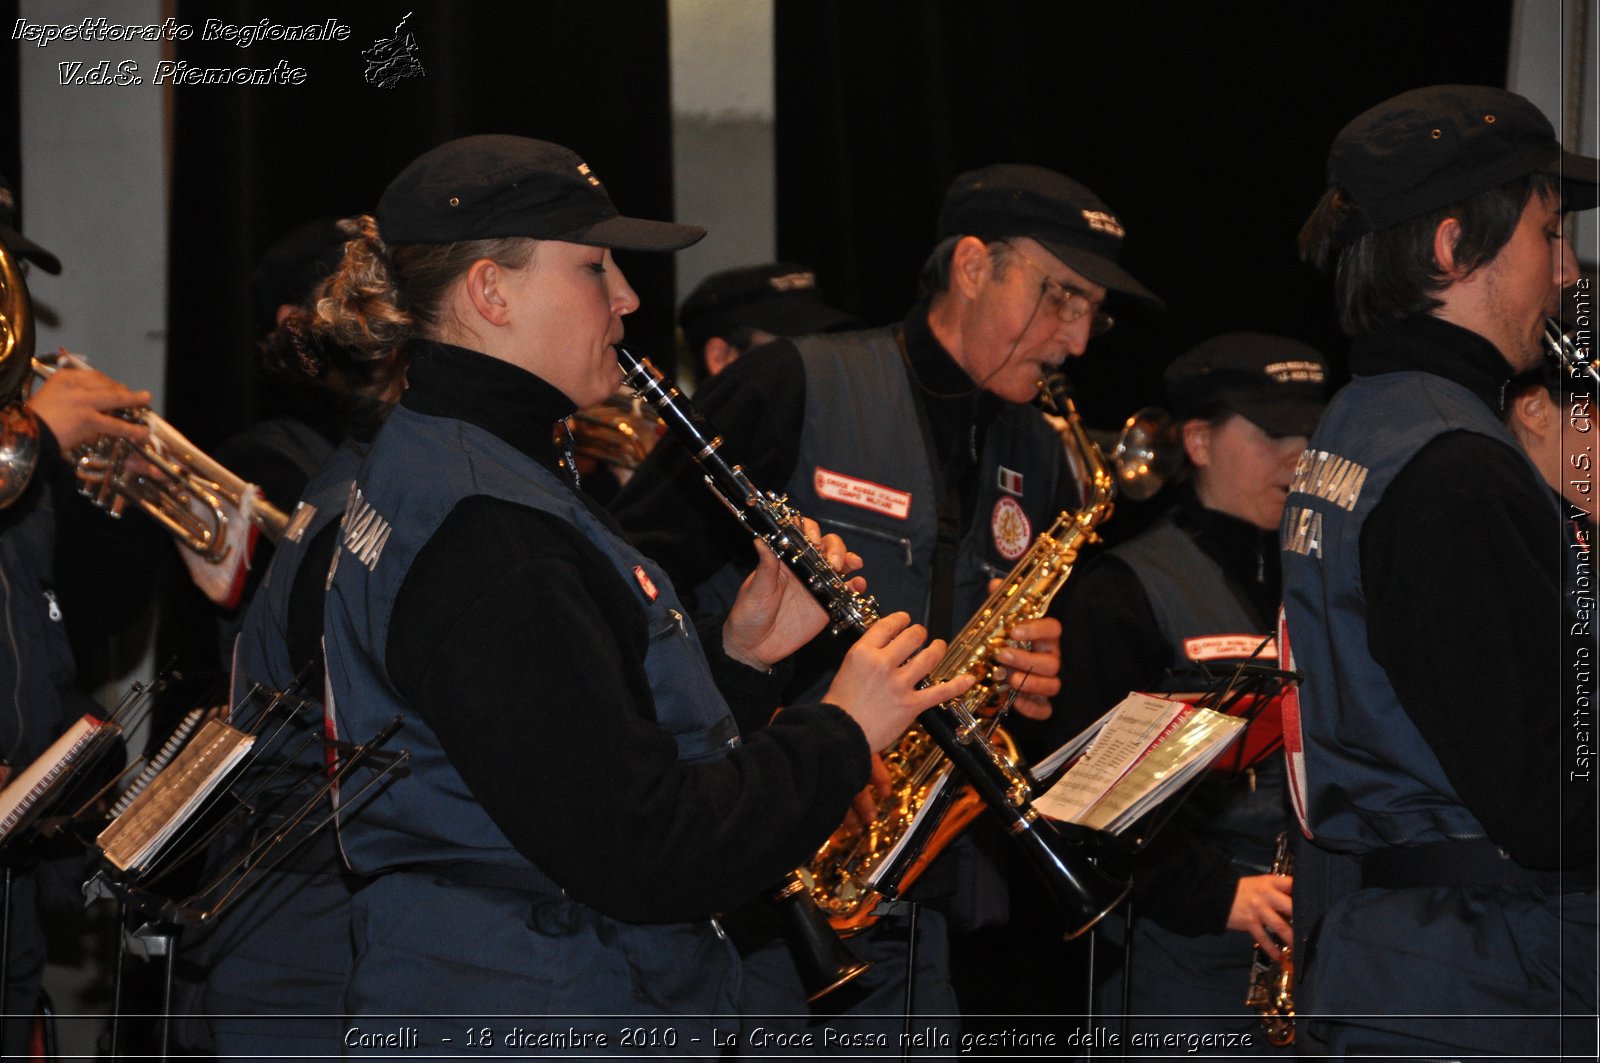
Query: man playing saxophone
[[916, 442]]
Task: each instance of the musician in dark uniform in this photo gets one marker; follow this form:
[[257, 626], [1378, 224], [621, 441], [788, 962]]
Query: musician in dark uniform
[[576, 808], [1192, 597], [1447, 894], [37, 698], [918, 442]]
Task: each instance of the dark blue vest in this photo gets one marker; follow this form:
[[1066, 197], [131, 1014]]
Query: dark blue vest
[[430, 815], [261, 655], [1371, 779], [862, 459]]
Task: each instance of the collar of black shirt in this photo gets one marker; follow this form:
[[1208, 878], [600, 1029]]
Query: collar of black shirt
[[955, 403], [1247, 554], [444, 380], [1428, 344]]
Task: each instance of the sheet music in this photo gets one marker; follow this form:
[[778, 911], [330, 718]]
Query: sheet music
[[133, 838], [1199, 738], [1133, 726], [23, 794]]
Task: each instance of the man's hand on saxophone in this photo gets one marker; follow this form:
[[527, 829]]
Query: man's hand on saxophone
[[1032, 666], [1262, 908]]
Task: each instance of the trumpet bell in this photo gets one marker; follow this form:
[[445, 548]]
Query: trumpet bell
[[1146, 454]]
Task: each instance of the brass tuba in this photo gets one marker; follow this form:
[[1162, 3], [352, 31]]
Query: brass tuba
[[19, 427], [921, 815]]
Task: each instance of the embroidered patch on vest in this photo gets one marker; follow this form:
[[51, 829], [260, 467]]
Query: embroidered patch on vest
[[1010, 481], [646, 584], [1229, 648], [1011, 529], [863, 494]]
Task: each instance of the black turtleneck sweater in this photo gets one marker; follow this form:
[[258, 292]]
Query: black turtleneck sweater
[[523, 648], [1461, 565], [758, 406]]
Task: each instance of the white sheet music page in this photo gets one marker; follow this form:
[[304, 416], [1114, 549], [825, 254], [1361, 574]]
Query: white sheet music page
[[1135, 724]]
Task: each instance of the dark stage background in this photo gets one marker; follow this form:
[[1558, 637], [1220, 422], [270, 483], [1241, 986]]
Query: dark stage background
[[1203, 125]]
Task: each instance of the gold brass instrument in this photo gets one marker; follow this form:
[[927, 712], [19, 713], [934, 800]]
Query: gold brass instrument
[[857, 866], [1271, 989], [1082, 890], [195, 497], [19, 427], [619, 432]]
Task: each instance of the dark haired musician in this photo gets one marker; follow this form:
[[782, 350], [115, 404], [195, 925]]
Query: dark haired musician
[[576, 808], [1194, 595], [1448, 890], [918, 443], [37, 700]]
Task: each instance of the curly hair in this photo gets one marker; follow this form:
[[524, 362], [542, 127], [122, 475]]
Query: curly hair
[[382, 297]]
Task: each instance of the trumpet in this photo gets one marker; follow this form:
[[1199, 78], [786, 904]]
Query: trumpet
[[1576, 361], [213, 513]]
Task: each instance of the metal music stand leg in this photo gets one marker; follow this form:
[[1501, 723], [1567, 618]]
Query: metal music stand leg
[[911, 980], [1127, 975], [116, 981], [1088, 1005], [5, 956]]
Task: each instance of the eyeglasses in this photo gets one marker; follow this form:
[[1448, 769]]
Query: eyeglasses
[[1070, 303]]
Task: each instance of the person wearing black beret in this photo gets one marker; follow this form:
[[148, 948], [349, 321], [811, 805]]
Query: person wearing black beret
[[1445, 897]]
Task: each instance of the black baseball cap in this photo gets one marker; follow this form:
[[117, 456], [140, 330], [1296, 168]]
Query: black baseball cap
[[1278, 383], [493, 185], [1064, 217], [15, 242], [777, 297], [1431, 147]]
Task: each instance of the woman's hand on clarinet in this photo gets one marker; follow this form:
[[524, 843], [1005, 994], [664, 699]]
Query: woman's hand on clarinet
[[774, 615], [877, 683]]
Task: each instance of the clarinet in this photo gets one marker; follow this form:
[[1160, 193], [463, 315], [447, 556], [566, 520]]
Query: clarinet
[[1081, 887]]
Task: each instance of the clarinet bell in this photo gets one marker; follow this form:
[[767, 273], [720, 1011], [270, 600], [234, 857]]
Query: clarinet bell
[[822, 958], [1082, 890]]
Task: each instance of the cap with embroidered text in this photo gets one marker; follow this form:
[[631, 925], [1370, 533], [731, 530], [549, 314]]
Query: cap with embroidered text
[[12, 237], [1064, 217], [1279, 384], [494, 185], [777, 297]]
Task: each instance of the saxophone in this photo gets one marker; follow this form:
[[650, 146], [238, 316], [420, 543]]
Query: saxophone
[[956, 740], [923, 813], [1271, 989]]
